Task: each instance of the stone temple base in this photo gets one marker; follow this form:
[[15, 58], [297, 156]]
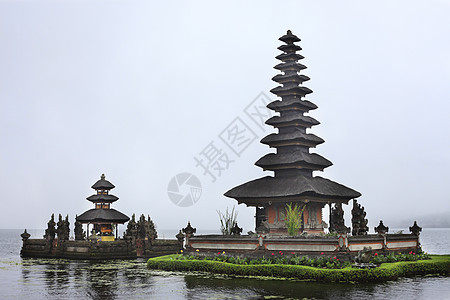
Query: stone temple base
[[99, 250], [303, 245]]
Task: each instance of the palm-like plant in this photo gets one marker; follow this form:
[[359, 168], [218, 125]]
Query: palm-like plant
[[227, 221], [293, 219]]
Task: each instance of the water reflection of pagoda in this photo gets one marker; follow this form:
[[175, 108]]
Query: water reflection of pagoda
[[293, 163], [102, 216]]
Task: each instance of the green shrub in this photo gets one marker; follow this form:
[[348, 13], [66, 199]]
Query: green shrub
[[437, 265], [392, 257]]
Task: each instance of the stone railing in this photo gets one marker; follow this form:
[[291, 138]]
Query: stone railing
[[303, 245]]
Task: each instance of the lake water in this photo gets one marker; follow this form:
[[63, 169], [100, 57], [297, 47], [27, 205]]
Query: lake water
[[129, 279]]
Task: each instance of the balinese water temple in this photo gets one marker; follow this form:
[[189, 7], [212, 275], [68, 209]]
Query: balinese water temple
[[294, 183], [292, 163], [102, 240], [102, 216]]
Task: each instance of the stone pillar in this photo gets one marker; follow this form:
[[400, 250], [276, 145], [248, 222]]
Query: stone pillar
[[180, 237], [415, 230], [189, 231], [382, 230], [337, 223]]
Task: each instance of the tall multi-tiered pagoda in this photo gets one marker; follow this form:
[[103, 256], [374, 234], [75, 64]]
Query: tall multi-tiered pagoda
[[102, 216], [292, 163]]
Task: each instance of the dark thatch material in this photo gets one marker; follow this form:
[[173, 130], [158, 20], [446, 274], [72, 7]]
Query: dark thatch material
[[103, 198], [289, 48], [295, 78], [291, 91], [102, 216], [289, 56], [295, 186], [103, 184], [295, 137], [290, 65], [313, 161], [295, 118], [294, 103], [289, 38]]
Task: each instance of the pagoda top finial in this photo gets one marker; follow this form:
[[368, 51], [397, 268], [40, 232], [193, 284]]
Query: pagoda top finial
[[103, 184], [289, 38]]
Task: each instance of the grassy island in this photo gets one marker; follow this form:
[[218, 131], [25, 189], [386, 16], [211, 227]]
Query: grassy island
[[437, 265]]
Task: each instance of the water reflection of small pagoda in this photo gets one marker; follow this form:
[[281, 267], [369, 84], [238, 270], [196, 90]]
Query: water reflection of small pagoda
[[102, 216]]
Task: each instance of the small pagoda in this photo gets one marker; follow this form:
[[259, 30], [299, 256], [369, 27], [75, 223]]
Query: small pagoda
[[292, 163], [102, 216]]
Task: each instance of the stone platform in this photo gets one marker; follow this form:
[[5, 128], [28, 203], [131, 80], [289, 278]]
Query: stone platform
[[260, 245], [99, 250]]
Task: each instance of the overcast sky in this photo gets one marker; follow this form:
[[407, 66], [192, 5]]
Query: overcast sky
[[138, 89]]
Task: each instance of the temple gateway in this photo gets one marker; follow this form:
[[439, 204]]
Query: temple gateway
[[293, 163]]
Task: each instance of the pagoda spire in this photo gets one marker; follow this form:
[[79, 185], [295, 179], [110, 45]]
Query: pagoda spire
[[292, 143], [292, 163]]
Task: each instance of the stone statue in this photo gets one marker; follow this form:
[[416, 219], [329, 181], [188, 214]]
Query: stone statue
[[152, 233], [180, 237], [381, 229], [59, 229], [66, 228], [364, 256], [415, 229], [189, 230], [236, 230], [337, 223], [146, 229], [25, 236], [141, 227], [131, 228], [79, 232], [359, 221], [51, 230], [63, 230]]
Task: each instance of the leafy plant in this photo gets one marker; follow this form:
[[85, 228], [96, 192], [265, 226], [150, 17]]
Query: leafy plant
[[227, 221], [294, 218], [437, 265], [392, 257], [275, 258]]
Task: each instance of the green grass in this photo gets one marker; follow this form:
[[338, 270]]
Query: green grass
[[437, 265]]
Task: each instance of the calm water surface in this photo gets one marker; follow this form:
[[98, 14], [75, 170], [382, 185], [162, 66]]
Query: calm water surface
[[129, 279]]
